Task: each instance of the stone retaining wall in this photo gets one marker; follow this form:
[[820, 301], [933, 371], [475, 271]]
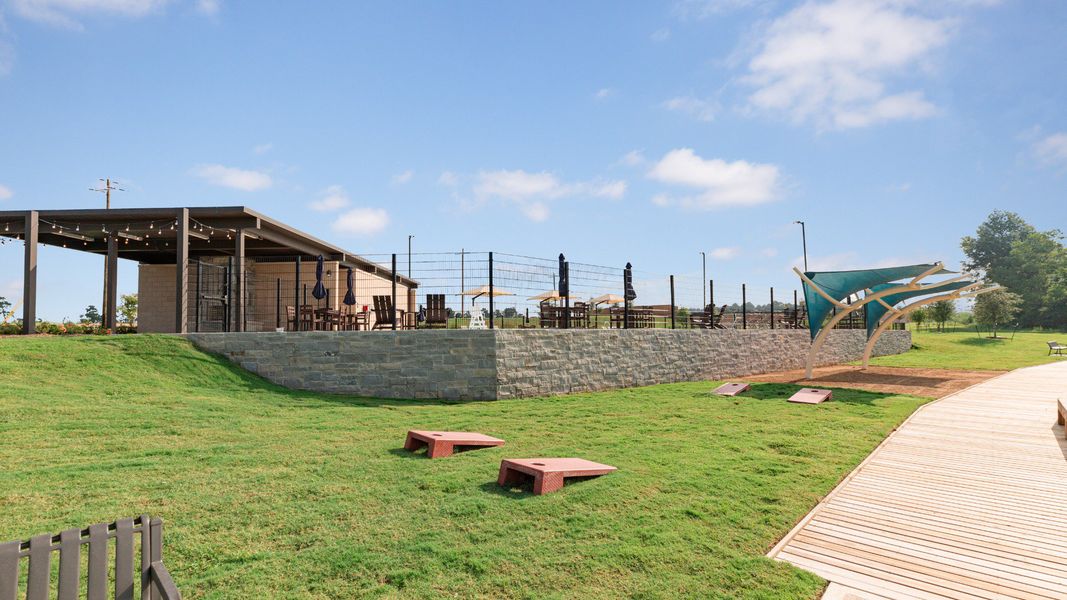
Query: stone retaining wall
[[487, 365]]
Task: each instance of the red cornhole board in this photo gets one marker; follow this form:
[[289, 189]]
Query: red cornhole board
[[548, 473], [441, 443], [731, 389], [811, 396]]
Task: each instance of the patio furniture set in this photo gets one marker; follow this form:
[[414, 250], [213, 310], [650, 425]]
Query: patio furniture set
[[312, 318]]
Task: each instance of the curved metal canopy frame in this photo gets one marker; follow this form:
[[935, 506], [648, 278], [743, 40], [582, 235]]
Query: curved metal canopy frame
[[969, 291], [847, 309]]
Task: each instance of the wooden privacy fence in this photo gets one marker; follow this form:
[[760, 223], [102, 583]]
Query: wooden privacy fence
[[156, 582]]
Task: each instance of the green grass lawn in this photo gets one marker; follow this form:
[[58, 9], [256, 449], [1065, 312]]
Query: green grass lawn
[[273, 493], [968, 350]]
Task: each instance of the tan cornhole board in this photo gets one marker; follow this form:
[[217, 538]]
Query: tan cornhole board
[[441, 443], [1061, 414], [811, 396], [731, 389], [548, 473]]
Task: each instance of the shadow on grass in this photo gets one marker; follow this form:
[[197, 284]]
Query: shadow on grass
[[524, 490]]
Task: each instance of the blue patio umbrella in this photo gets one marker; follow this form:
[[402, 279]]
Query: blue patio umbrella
[[320, 290], [350, 296]]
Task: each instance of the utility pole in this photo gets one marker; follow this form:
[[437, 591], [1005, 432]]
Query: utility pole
[[106, 191], [804, 239], [704, 273]]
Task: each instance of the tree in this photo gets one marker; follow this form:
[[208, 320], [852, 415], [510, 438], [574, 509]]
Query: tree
[[91, 315], [996, 308], [5, 309], [128, 308], [918, 316], [993, 240], [941, 312]]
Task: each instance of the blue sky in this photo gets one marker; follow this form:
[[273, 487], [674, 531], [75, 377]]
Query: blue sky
[[611, 131]]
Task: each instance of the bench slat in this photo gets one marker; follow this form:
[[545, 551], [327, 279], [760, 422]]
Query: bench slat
[[98, 562], [124, 559], [156, 535], [40, 567], [9, 570], [69, 563]]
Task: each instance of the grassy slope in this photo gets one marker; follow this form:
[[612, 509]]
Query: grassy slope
[[966, 350], [273, 493]]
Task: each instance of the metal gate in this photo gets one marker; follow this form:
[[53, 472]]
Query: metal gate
[[212, 306]]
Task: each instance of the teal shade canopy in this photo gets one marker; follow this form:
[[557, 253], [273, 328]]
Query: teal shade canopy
[[839, 285], [875, 310]]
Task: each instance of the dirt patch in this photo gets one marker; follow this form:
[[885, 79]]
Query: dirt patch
[[929, 383]]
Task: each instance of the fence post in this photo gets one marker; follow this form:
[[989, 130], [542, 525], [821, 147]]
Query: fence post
[[462, 283], [626, 282], [672, 301], [711, 292], [393, 316], [278, 303], [744, 308], [772, 307], [492, 319], [229, 293], [199, 274], [796, 311]]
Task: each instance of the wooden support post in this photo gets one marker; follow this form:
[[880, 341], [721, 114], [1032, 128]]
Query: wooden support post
[[744, 308], [112, 283], [239, 281], [672, 301], [492, 305], [772, 307], [181, 278], [29, 275], [393, 319], [296, 296]]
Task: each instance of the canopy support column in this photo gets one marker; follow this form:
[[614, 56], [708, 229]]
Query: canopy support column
[[111, 283], [239, 281], [181, 281], [29, 275]]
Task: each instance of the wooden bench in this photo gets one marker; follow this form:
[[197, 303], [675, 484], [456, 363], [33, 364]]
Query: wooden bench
[[1061, 413], [439, 444], [547, 473], [156, 582]]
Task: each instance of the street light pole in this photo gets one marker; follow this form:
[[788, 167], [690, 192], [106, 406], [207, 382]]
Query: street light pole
[[804, 239], [704, 278], [409, 255]]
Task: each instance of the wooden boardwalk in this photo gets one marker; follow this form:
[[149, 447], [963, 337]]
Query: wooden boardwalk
[[967, 499]]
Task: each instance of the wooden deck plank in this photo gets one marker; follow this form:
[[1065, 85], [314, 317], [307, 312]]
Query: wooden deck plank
[[967, 499]]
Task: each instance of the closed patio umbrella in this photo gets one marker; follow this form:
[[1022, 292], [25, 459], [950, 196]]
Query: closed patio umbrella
[[350, 295], [320, 290]]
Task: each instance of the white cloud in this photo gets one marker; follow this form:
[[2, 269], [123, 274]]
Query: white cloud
[[332, 198], [830, 63], [62, 13], [726, 253], [721, 183], [701, 110], [7, 50], [208, 7], [1051, 150], [633, 158], [362, 221], [448, 179], [604, 93], [5, 192], [661, 35], [263, 148], [531, 191], [405, 177], [231, 177], [703, 9]]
